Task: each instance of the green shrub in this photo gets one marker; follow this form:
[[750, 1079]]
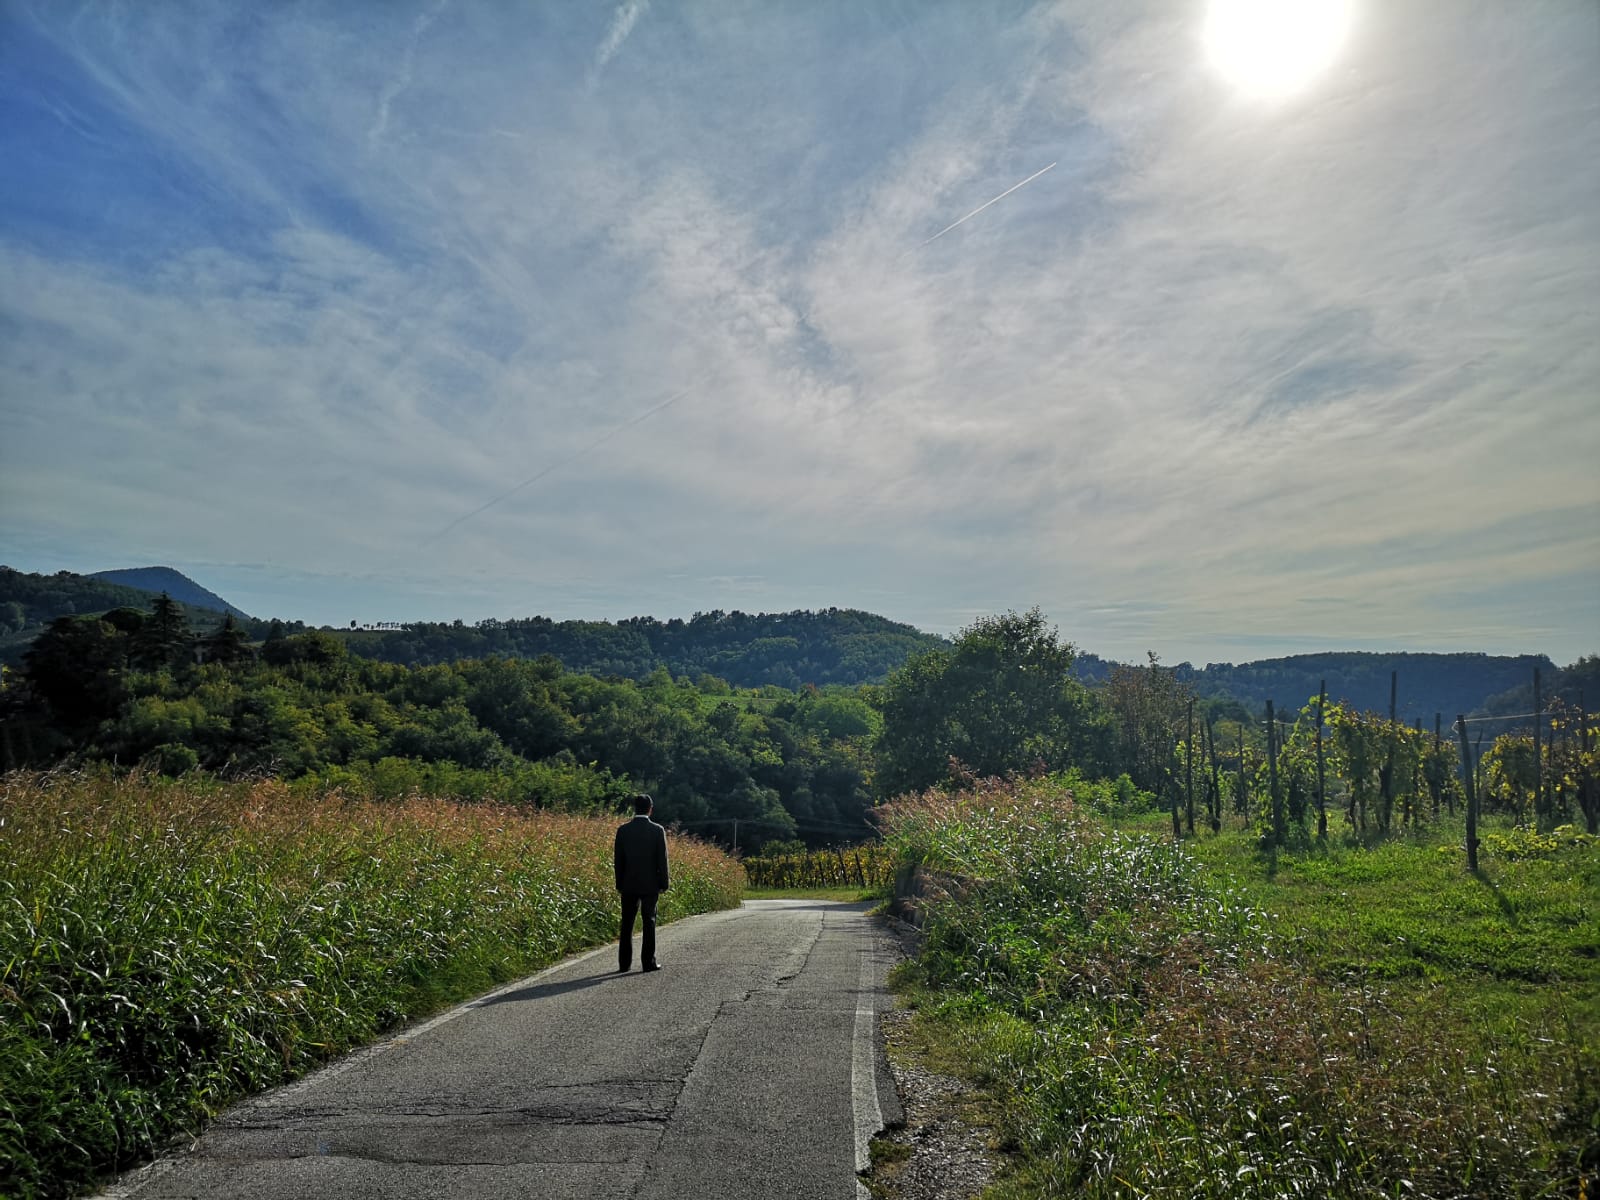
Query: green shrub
[[1524, 841]]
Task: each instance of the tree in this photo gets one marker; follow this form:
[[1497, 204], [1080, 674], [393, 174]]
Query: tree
[[76, 666], [126, 620], [13, 618], [1148, 707], [1003, 699], [164, 639], [228, 644], [314, 647]]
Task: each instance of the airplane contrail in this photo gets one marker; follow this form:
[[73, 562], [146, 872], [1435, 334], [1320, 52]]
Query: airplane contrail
[[561, 462], [985, 205]]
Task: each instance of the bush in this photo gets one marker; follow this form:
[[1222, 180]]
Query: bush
[[1524, 841], [173, 759]]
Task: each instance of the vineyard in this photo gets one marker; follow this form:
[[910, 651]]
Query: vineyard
[[866, 866], [1369, 775]]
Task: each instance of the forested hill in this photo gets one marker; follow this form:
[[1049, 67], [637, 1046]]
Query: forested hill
[[835, 645], [1427, 683], [27, 599], [30, 601], [174, 583]]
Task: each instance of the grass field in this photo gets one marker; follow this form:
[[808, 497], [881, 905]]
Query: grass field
[[1407, 908], [1211, 1021], [167, 946]]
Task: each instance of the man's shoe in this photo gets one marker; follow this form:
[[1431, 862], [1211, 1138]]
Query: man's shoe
[[624, 968], [655, 966]]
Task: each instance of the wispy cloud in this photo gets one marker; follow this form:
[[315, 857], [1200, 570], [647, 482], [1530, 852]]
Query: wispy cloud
[[623, 20], [1236, 372], [401, 80]]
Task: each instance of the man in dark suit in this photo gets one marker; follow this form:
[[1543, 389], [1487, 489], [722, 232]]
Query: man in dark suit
[[640, 852]]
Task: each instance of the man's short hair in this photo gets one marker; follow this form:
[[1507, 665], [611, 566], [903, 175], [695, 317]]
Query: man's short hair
[[642, 804]]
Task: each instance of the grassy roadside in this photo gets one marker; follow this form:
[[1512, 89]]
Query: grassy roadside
[[167, 946], [1210, 1022]]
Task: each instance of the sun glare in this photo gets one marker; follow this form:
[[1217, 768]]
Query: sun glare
[[1273, 48]]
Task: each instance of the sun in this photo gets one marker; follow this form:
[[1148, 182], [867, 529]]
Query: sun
[[1272, 48]]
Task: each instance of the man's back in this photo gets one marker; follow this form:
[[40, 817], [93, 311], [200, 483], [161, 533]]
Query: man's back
[[641, 857]]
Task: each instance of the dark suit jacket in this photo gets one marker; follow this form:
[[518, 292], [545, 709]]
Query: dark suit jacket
[[641, 858]]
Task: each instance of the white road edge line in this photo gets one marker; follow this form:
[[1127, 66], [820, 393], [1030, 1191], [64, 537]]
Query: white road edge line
[[863, 1070], [368, 1053], [139, 1177]]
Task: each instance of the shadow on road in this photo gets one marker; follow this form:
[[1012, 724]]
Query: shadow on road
[[540, 990]]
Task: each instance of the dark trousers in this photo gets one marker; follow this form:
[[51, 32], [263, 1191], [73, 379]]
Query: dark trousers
[[645, 906]]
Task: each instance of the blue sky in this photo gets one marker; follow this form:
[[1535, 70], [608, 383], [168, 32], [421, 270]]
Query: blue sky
[[451, 309]]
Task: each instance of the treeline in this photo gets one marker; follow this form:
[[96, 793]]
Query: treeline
[[832, 646], [128, 688], [1430, 683], [1327, 764], [789, 650], [746, 764]]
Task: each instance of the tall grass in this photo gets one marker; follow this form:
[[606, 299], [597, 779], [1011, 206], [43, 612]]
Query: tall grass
[[1151, 1031], [166, 946]]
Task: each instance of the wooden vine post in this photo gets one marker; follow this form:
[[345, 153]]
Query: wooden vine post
[[1280, 834], [1449, 796], [1387, 773], [1322, 779], [1188, 763], [1414, 794], [1172, 789], [1242, 803], [1538, 763], [1216, 779], [1472, 794], [1586, 796]]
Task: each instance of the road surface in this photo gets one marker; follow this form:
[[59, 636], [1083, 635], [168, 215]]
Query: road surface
[[747, 1067]]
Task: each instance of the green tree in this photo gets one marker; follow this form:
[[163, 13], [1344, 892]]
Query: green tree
[[1148, 710], [1002, 699], [13, 618], [76, 667], [164, 640], [228, 644], [314, 647]]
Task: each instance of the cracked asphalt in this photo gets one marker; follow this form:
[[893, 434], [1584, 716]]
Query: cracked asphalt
[[749, 1066]]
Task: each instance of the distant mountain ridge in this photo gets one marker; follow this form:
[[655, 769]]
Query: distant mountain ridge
[[33, 601], [790, 650], [829, 646], [1426, 684], [174, 583], [29, 601]]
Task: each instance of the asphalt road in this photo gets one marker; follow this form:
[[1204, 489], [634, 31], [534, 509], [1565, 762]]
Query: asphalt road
[[748, 1066]]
